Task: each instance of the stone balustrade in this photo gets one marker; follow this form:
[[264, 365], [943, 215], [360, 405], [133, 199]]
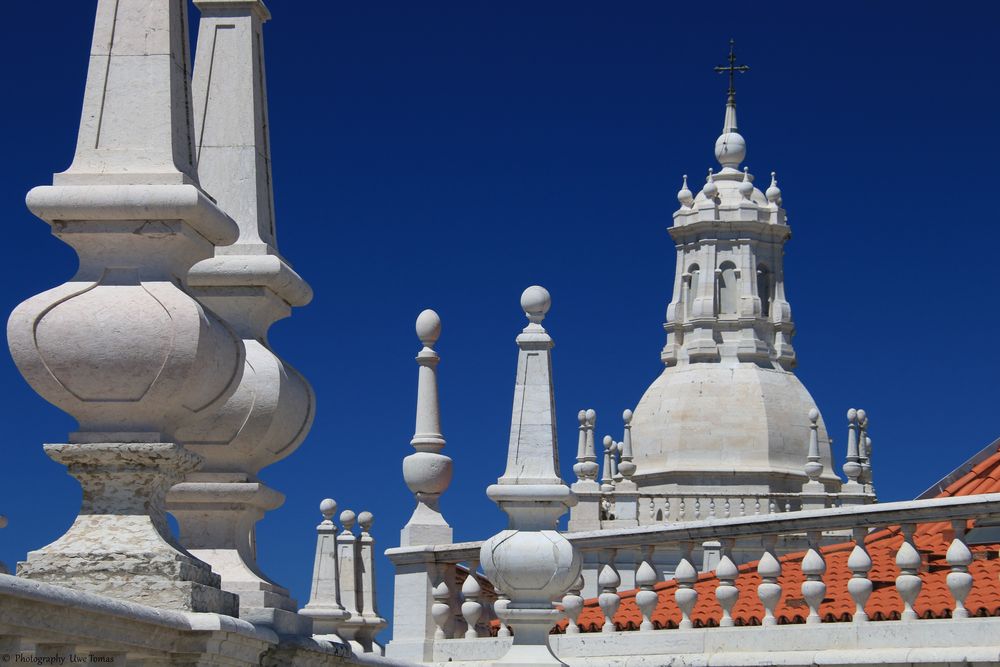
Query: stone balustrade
[[814, 528]]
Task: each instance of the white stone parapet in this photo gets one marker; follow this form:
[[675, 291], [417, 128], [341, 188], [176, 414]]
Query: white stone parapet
[[622, 647]]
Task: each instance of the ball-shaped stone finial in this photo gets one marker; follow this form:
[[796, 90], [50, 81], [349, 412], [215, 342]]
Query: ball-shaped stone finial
[[852, 415], [813, 415], [428, 327], [684, 195], [627, 416], [773, 193], [365, 520], [730, 149], [327, 508], [711, 190], [536, 301], [591, 416], [347, 518]]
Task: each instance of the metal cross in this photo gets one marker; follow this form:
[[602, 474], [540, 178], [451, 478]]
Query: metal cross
[[732, 68]]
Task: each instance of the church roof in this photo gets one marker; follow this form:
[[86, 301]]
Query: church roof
[[931, 540]]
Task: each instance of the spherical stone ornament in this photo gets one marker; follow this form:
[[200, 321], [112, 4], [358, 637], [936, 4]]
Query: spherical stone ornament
[[347, 518], [711, 190], [536, 301], [813, 415], [328, 508], [428, 327], [365, 520], [531, 567], [730, 149]]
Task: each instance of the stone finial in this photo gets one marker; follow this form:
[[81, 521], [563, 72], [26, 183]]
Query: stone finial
[[328, 507], [427, 471], [773, 192], [814, 464], [684, 195], [581, 445], [746, 186], [851, 466], [711, 190], [347, 519], [365, 520], [590, 464], [626, 467], [608, 478], [533, 496]]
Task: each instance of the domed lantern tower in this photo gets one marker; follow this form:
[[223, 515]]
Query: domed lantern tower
[[727, 420]]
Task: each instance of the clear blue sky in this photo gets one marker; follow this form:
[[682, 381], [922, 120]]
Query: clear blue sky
[[449, 154]]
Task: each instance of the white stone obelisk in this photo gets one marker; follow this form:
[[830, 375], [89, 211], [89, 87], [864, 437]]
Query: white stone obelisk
[[250, 286], [122, 346], [531, 562]]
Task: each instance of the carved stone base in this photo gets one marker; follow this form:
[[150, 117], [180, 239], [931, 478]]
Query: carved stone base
[[120, 545], [217, 513], [531, 637]]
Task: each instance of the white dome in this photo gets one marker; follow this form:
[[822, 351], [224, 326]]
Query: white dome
[[712, 424]]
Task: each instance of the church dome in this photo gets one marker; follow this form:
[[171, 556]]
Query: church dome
[[720, 425]]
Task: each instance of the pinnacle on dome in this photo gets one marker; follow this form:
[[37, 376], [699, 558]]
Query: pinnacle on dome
[[730, 147]]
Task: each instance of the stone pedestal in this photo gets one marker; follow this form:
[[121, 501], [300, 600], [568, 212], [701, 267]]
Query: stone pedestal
[[216, 513], [120, 545]]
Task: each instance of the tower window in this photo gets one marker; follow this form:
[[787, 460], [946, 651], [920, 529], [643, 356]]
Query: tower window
[[765, 285], [728, 290]]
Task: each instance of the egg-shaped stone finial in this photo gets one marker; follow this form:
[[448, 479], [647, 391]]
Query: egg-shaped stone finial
[[591, 416], [852, 415], [581, 417], [536, 301], [327, 508], [813, 415], [711, 190], [862, 416], [428, 327], [684, 195], [773, 193], [627, 416], [365, 520]]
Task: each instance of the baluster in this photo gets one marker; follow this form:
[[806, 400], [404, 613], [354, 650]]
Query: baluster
[[472, 609], [813, 588], [771, 507], [728, 509], [697, 508], [756, 507], [499, 608], [711, 507], [743, 507], [682, 511], [908, 583], [685, 575], [652, 508], [859, 586], [726, 592], [646, 598], [608, 582], [666, 510], [572, 604], [441, 609], [769, 569], [959, 580], [788, 505]]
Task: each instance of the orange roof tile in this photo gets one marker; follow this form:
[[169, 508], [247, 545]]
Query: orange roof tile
[[931, 540]]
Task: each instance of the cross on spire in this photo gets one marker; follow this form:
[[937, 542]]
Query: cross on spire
[[732, 68]]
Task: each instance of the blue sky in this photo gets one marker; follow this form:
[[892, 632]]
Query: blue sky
[[449, 154]]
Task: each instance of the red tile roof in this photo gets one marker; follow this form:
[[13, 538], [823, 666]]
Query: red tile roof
[[931, 540]]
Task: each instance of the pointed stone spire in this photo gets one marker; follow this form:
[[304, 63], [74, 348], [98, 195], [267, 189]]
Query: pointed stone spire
[[813, 491], [250, 286], [533, 496], [122, 347], [427, 471]]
